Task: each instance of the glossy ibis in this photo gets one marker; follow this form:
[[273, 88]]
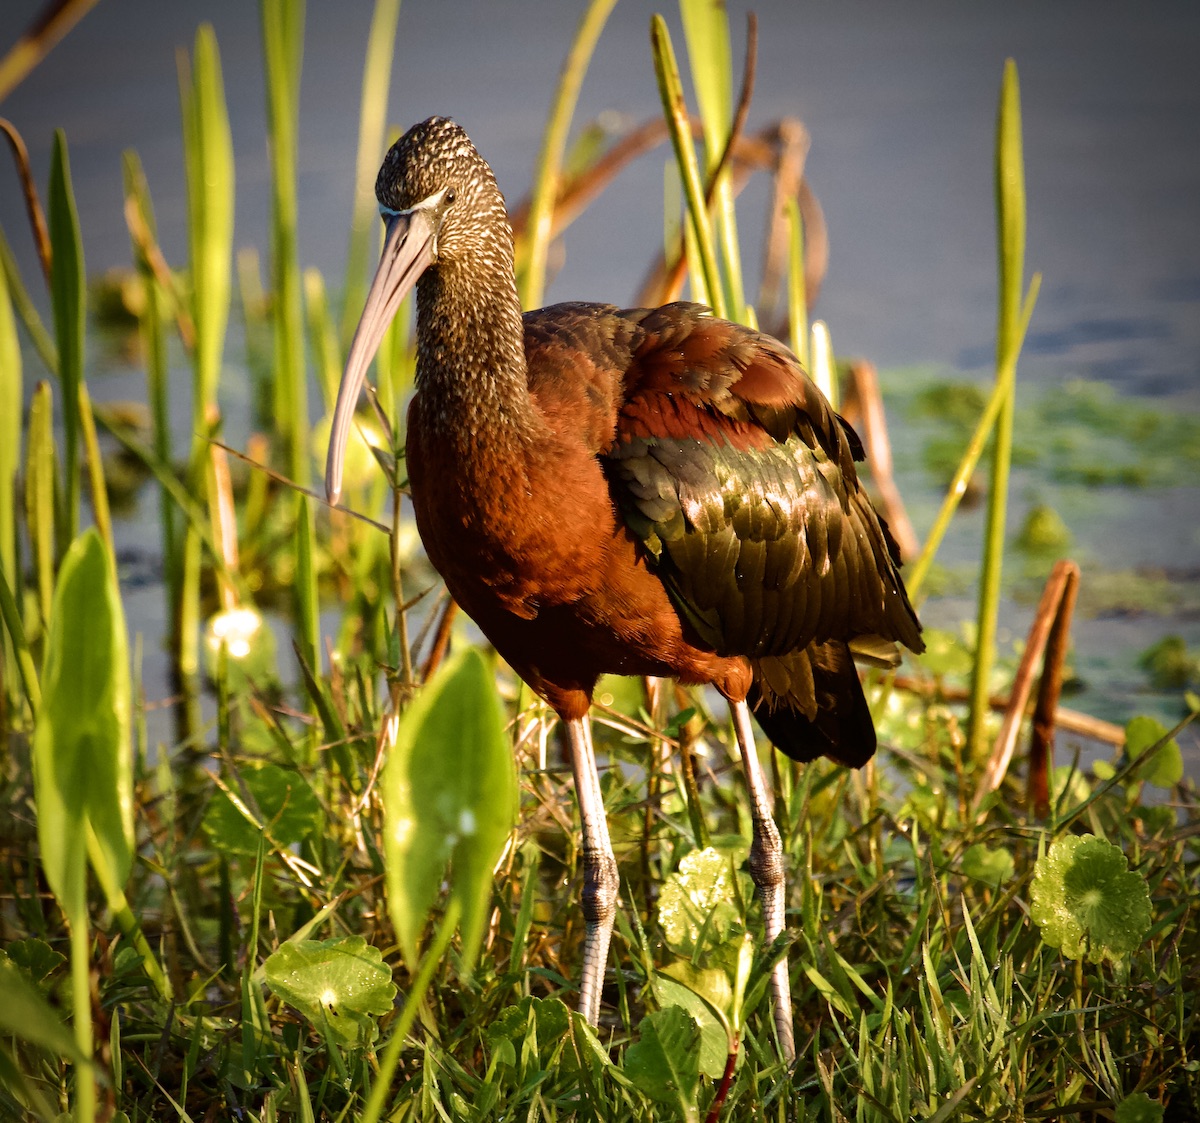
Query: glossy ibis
[[647, 491]]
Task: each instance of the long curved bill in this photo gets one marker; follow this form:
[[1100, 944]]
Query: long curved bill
[[408, 250]]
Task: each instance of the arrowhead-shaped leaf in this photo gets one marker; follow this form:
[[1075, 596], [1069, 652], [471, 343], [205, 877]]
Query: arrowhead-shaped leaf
[[450, 796], [81, 749], [24, 1013]]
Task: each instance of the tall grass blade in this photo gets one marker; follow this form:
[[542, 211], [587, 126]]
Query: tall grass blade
[[15, 629], [25, 309], [554, 144], [797, 287], [41, 498], [208, 156], [11, 403], [36, 43], [154, 345], [915, 578], [67, 295], [95, 464], [670, 89], [706, 28], [1010, 209], [308, 620], [283, 47], [372, 125]]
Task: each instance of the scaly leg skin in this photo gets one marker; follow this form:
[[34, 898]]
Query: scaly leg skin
[[600, 881], [766, 868]]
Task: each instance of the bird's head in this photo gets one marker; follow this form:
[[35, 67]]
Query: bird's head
[[440, 205]]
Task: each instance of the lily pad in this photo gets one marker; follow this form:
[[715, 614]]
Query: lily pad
[[340, 985], [1087, 901]]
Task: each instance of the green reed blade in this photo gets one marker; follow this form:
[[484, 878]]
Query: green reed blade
[[670, 90], [25, 309], [208, 156], [11, 616], [914, 579], [11, 403], [706, 29], [283, 48], [152, 331], [372, 125], [54, 21], [797, 290], [322, 338], [308, 620], [532, 272], [95, 465], [41, 493], [67, 288], [1010, 208]]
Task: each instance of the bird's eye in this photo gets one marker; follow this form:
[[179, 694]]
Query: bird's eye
[[449, 196]]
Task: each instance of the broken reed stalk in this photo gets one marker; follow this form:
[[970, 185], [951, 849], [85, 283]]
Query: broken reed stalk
[[1048, 637], [864, 403]]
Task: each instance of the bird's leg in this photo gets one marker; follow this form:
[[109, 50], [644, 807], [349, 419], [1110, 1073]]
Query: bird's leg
[[600, 880], [766, 868]]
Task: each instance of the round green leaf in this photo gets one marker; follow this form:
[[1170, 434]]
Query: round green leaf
[[340, 985], [290, 811], [1088, 901]]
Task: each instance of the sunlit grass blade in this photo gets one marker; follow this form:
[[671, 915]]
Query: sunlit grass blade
[[41, 493], [1010, 210], [208, 157], [372, 125], [151, 328], [308, 619], [52, 24], [670, 89], [532, 270], [322, 337], [26, 310], [67, 291], [15, 629], [283, 48], [11, 405], [915, 577], [706, 28], [797, 288]]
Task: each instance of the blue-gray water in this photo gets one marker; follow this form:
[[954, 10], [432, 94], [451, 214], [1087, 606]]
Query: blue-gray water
[[900, 101]]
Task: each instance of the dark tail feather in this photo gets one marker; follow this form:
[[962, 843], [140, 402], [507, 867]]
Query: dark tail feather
[[842, 728]]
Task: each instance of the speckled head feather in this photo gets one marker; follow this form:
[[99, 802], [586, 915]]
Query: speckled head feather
[[434, 155]]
